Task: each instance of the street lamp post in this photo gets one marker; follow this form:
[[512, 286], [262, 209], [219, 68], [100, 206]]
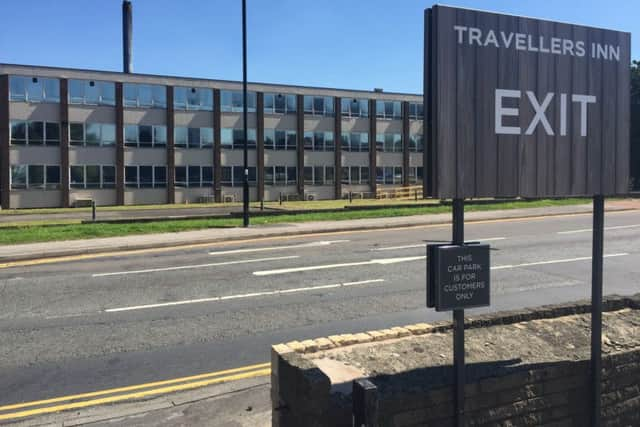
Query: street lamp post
[[245, 192]]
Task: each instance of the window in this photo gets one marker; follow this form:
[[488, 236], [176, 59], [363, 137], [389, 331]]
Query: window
[[318, 105], [34, 89], [92, 176], [352, 107], [144, 96], [319, 141], [416, 143], [232, 101], [355, 175], [92, 92], [194, 176], [280, 175], [145, 136], [97, 134], [38, 177], [192, 98], [275, 139], [145, 176], [389, 142], [416, 111], [389, 175], [193, 137], [416, 174], [389, 110], [234, 138], [18, 132], [34, 133], [233, 176], [355, 142], [318, 175], [279, 103]]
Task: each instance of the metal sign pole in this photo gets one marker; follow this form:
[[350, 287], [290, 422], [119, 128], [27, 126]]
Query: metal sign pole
[[245, 192], [596, 307], [458, 320]]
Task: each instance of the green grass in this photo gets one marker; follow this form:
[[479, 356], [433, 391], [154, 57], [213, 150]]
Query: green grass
[[40, 233]]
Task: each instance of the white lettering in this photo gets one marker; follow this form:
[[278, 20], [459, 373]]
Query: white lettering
[[563, 114], [506, 41], [567, 46], [555, 45], [542, 48], [474, 36], [583, 100], [504, 111], [520, 41], [460, 30], [491, 38], [540, 116], [580, 48], [531, 47]]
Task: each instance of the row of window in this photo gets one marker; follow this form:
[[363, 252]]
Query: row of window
[[104, 134], [31, 132], [136, 95], [151, 176]]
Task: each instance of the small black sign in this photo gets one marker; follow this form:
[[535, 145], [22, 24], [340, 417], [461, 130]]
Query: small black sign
[[458, 276]]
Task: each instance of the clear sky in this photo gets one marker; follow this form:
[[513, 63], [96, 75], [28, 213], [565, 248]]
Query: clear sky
[[336, 43]]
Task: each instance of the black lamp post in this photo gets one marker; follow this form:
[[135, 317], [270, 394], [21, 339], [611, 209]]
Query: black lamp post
[[245, 193]]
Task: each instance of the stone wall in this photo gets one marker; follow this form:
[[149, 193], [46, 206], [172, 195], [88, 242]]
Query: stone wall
[[525, 368]]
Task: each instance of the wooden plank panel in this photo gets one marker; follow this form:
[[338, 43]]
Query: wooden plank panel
[[508, 70], [578, 143], [487, 141], [446, 65], [527, 153], [623, 118], [609, 103], [465, 117], [594, 118], [562, 160]]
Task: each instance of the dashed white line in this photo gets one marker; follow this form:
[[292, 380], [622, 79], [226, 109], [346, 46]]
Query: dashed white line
[[555, 261], [196, 266], [383, 261], [276, 248], [241, 296], [424, 245], [586, 230]]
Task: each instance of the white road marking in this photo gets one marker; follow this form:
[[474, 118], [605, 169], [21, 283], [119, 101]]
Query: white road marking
[[249, 295], [555, 261], [276, 248], [383, 261], [189, 267], [587, 230], [424, 245]]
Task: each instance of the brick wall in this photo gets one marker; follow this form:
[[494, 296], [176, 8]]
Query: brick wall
[[552, 393]]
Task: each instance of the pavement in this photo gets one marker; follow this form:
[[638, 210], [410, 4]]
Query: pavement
[[9, 253], [180, 335]]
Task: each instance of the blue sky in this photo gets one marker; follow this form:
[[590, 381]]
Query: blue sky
[[333, 46]]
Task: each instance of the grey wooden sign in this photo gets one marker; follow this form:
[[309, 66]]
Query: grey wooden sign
[[524, 107]]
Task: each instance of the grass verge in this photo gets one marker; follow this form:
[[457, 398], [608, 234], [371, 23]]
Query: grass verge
[[41, 233]]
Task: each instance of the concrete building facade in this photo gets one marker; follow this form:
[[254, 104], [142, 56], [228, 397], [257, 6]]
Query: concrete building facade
[[68, 135]]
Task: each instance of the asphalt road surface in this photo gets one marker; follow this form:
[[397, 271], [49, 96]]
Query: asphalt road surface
[[113, 321]]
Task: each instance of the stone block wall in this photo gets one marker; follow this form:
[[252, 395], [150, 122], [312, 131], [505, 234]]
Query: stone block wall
[[412, 371]]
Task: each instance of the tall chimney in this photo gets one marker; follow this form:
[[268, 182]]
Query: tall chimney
[[127, 36]]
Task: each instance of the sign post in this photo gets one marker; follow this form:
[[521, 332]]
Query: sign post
[[457, 238], [525, 107]]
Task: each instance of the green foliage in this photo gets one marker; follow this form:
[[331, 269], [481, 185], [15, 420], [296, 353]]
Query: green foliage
[[43, 233]]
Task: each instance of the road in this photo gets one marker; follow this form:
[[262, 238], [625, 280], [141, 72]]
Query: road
[[91, 324]]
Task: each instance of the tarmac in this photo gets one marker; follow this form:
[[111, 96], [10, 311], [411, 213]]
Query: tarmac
[[30, 251], [238, 403]]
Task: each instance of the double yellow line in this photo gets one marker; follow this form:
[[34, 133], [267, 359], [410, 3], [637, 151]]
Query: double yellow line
[[134, 392]]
